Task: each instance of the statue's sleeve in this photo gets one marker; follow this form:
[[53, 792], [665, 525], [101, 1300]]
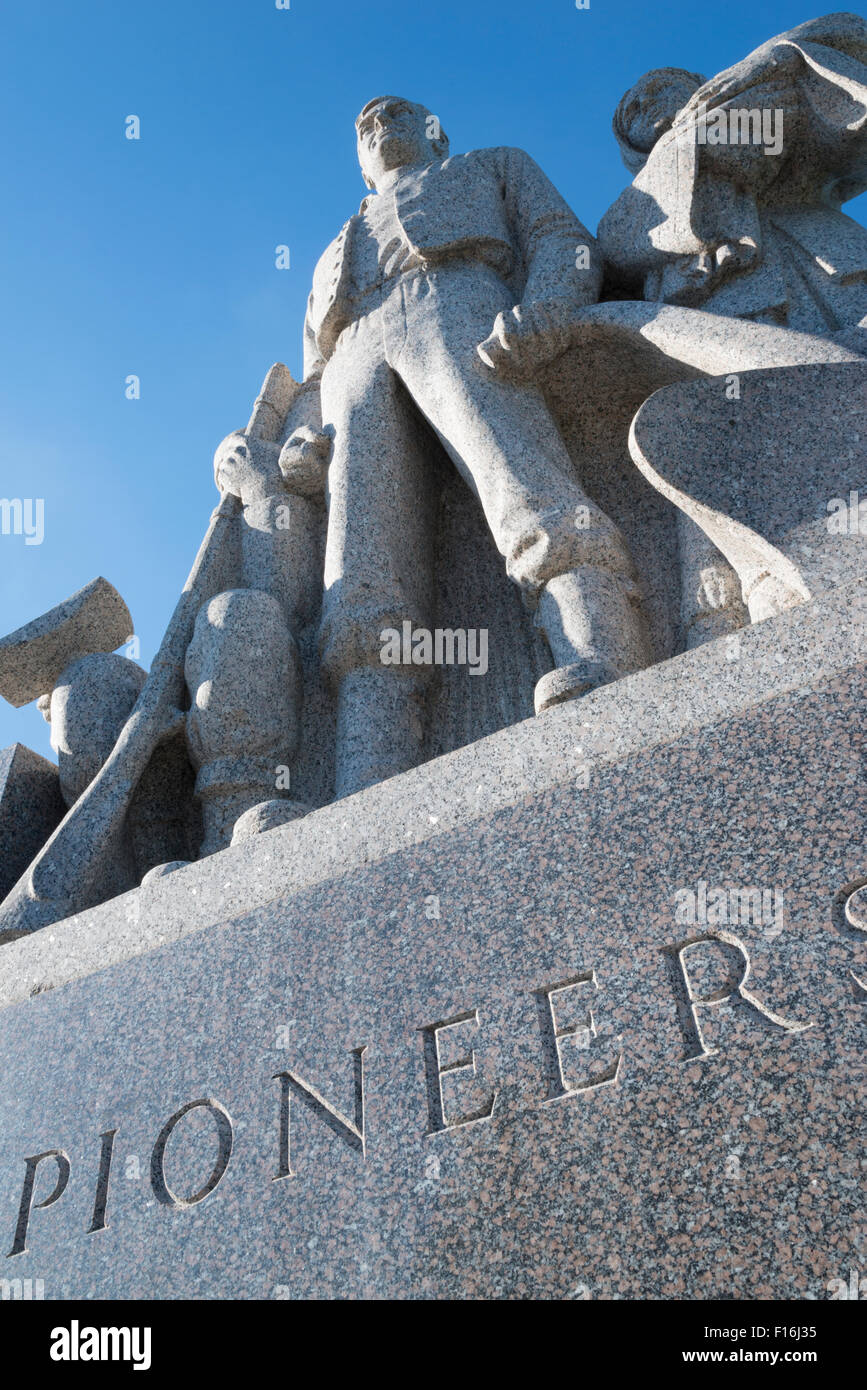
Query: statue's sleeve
[[845, 32], [815, 78], [561, 258], [314, 362], [832, 93], [624, 236]]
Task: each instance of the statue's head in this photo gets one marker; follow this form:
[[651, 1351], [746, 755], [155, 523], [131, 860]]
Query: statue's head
[[393, 133], [648, 110]]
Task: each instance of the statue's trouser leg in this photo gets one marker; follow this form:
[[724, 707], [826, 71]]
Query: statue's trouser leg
[[567, 556], [378, 559], [89, 706], [280, 554], [242, 674], [380, 725]]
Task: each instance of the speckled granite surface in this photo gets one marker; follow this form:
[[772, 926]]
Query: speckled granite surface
[[31, 805], [722, 1160]]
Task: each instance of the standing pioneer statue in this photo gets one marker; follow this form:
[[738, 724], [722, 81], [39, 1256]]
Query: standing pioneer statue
[[437, 303]]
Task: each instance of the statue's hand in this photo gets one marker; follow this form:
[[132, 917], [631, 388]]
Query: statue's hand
[[527, 337], [248, 468], [304, 461]]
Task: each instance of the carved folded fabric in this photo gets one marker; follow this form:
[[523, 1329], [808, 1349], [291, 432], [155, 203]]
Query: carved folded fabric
[[751, 176]]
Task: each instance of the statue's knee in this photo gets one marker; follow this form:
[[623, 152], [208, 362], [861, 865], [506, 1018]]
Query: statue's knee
[[363, 639], [242, 672], [542, 547]]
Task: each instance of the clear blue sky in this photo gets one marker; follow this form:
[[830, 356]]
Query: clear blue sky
[[156, 257]]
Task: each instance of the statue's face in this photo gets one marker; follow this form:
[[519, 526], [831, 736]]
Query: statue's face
[[392, 134]]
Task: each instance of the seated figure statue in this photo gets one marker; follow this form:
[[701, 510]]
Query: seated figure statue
[[735, 209], [736, 203]]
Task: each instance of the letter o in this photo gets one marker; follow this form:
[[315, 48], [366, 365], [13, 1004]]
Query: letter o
[[225, 1135]]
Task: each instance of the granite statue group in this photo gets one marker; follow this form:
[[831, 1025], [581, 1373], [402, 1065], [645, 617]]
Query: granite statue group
[[476, 364]]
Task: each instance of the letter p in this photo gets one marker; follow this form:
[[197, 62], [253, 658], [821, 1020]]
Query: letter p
[[19, 1245]]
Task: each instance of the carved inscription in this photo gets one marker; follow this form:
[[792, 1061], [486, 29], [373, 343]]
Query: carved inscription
[[438, 1036], [19, 1245], [856, 915], [353, 1133], [456, 1097], [225, 1136], [100, 1202], [556, 1036], [697, 1046]]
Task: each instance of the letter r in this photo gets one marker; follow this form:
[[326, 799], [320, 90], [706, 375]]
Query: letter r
[[698, 1046]]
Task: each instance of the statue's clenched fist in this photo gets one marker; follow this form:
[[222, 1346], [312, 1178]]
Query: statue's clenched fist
[[252, 468], [248, 468]]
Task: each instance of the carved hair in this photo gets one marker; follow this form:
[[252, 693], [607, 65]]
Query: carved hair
[[648, 88], [440, 145]]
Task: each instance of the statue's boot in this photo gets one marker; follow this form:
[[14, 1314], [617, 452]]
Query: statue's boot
[[592, 620]]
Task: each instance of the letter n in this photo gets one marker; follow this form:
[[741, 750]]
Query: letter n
[[353, 1133]]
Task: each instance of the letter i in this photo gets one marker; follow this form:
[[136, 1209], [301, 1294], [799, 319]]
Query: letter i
[[98, 1223]]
